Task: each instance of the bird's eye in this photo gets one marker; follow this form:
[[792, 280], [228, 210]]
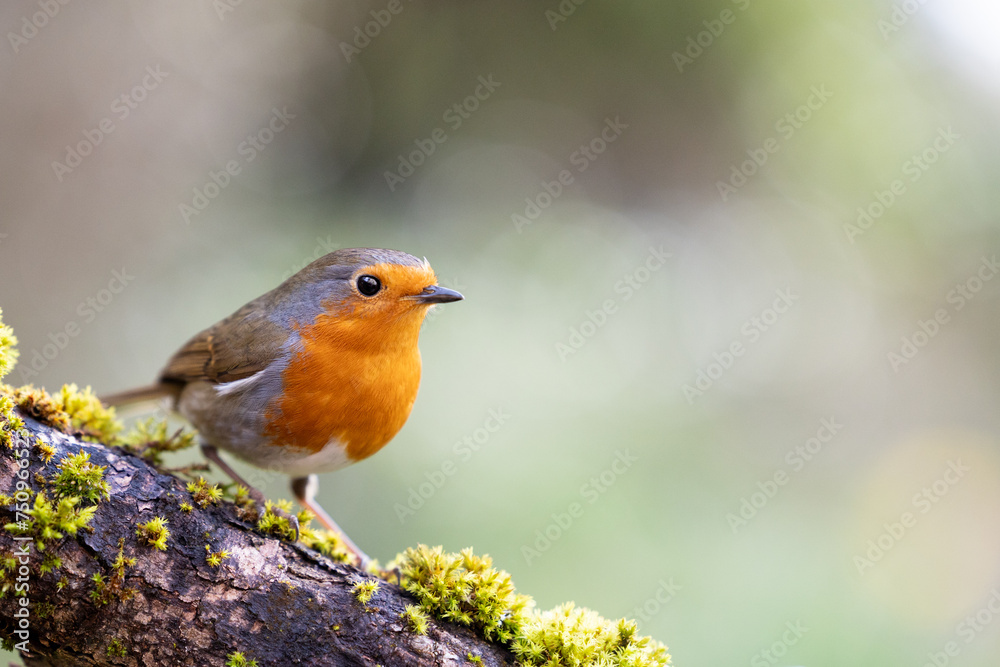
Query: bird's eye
[[369, 285]]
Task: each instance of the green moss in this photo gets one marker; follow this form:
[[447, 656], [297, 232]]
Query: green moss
[[80, 478], [52, 522], [8, 348], [467, 590], [8, 572], [154, 532], [568, 635], [45, 450], [474, 659], [326, 542], [116, 649], [187, 507], [50, 563], [203, 493], [237, 659], [87, 415], [215, 558], [272, 523], [44, 610], [149, 439], [365, 590], [71, 410], [464, 588], [246, 508], [415, 619], [10, 423], [108, 590]]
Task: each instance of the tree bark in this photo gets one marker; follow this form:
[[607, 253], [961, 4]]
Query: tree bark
[[275, 602]]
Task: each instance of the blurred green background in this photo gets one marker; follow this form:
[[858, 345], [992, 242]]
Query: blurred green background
[[739, 138]]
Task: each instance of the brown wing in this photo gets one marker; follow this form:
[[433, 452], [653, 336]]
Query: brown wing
[[237, 347]]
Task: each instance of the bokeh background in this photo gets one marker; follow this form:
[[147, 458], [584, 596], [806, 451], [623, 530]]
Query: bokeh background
[[598, 324]]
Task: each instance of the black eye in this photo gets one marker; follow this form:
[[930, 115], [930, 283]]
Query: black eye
[[369, 285]]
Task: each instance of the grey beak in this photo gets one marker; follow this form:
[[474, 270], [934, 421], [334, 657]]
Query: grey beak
[[437, 294]]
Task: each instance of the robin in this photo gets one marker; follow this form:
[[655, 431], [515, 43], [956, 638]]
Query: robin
[[318, 373]]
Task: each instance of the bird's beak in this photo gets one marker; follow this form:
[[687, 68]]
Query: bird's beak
[[437, 294]]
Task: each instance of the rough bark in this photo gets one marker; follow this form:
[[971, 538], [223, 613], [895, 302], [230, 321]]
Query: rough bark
[[277, 603]]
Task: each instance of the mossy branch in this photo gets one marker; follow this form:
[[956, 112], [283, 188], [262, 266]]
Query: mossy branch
[[104, 596]]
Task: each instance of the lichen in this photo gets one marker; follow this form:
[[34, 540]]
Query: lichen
[[79, 477], [467, 590], [154, 532]]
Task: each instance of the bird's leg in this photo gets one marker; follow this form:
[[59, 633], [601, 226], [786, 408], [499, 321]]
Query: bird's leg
[[212, 454], [305, 489]]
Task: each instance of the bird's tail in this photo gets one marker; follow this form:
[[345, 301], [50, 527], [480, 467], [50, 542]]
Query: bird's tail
[[149, 393]]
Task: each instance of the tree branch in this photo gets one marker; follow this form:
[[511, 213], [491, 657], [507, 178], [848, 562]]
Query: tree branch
[[275, 602]]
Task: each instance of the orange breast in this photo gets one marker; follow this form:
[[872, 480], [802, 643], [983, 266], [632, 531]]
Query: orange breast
[[355, 379]]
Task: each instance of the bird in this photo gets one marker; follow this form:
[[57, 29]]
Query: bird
[[318, 373]]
